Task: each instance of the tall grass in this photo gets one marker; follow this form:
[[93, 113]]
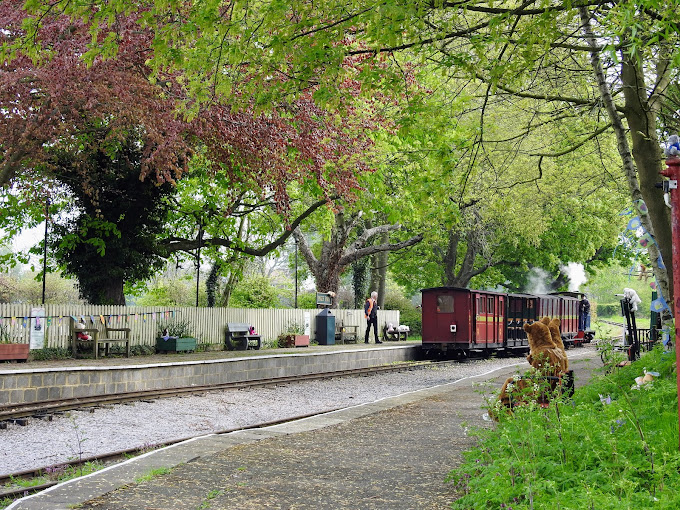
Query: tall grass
[[615, 445]]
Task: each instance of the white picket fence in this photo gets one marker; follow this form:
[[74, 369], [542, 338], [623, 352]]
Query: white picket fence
[[207, 324]]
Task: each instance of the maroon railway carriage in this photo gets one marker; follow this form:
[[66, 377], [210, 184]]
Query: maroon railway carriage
[[522, 309], [456, 321], [564, 305]]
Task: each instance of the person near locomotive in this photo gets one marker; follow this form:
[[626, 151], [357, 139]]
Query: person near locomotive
[[584, 314], [371, 314]]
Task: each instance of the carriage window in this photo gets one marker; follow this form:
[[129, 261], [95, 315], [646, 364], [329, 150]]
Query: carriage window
[[480, 305], [490, 305], [445, 304], [530, 304]]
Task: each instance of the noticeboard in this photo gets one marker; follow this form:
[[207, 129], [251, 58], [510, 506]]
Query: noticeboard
[[323, 299]]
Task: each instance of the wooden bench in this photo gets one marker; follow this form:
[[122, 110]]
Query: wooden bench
[[237, 336], [394, 334], [111, 336], [345, 334]]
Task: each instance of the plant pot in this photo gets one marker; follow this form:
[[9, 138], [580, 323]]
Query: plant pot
[[176, 344], [294, 341], [14, 352], [301, 340]]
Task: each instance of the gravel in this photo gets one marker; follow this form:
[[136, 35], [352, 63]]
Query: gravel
[[79, 434]]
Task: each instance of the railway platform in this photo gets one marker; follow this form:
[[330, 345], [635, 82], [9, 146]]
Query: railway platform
[[40, 381], [390, 454]]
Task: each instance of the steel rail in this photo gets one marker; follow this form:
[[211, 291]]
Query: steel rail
[[112, 457], [45, 407]]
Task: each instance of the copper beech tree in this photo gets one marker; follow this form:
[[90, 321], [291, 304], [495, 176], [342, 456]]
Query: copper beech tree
[[60, 115]]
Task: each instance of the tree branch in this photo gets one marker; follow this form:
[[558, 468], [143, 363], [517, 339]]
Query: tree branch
[[174, 244], [353, 255]]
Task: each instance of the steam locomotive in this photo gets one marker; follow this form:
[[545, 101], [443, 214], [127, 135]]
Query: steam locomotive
[[459, 322]]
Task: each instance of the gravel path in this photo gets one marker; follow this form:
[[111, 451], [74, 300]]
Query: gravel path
[[84, 433]]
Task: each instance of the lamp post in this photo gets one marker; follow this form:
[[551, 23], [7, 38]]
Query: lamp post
[[296, 272], [673, 173], [198, 259], [44, 275]]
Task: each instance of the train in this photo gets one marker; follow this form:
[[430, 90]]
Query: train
[[461, 322]]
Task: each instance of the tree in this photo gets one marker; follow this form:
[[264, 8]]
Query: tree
[[532, 49], [46, 107], [340, 250], [110, 236]]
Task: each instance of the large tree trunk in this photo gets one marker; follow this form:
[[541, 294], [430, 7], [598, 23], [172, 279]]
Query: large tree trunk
[[382, 270], [642, 124], [648, 160], [109, 292], [338, 252]]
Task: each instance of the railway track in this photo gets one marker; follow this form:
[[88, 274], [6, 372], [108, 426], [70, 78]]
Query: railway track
[[45, 409], [14, 490]]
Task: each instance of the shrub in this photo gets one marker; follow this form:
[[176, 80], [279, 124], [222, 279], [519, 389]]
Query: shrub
[[50, 353], [408, 314], [613, 446]]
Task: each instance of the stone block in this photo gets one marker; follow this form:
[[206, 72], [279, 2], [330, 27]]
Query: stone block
[[54, 393], [23, 381], [42, 394]]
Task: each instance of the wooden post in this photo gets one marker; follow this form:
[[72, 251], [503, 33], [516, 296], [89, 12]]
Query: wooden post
[[673, 173]]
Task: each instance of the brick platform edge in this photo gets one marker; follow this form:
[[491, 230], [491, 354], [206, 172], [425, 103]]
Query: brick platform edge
[[39, 385]]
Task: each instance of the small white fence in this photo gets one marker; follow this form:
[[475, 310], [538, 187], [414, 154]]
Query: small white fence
[[207, 324]]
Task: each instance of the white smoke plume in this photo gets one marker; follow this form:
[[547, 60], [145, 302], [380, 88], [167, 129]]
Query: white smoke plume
[[538, 281], [576, 274]]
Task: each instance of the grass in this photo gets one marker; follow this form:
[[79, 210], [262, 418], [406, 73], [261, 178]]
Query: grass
[[613, 446], [154, 473], [60, 474], [210, 496]]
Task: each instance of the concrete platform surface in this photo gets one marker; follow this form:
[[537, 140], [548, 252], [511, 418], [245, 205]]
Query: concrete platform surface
[[391, 454]]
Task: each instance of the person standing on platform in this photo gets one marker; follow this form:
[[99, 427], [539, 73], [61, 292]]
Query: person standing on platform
[[371, 314]]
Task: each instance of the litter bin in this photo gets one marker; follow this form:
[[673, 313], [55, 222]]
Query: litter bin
[[325, 327]]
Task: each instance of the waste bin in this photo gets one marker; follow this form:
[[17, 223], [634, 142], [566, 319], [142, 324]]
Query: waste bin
[[325, 327]]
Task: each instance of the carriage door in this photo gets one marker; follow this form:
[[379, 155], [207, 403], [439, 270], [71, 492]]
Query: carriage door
[[480, 319], [488, 319]]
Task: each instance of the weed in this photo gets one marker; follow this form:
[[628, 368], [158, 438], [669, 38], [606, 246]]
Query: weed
[[154, 473], [206, 502]]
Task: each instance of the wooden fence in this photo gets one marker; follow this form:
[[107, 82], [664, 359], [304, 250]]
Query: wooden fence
[[207, 324]]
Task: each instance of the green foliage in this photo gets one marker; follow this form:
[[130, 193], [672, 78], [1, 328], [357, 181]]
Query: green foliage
[[408, 314], [5, 335], [612, 447], [51, 353], [292, 328], [179, 328], [154, 473], [255, 292], [141, 350], [110, 238], [605, 282], [25, 286], [609, 309], [173, 288], [307, 300]]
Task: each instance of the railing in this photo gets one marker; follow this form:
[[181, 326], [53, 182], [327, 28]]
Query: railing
[[207, 324]]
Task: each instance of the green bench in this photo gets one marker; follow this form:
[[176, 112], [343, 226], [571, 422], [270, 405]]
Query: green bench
[[237, 337]]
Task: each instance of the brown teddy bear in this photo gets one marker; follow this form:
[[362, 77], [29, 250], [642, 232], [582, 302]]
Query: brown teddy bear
[[554, 327], [547, 359], [544, 355]]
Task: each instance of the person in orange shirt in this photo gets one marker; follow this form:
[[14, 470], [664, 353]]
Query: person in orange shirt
[[371, 314]]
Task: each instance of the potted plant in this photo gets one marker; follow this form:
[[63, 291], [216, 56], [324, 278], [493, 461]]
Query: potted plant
[[293, 336], [10, 351], [175, 336]]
